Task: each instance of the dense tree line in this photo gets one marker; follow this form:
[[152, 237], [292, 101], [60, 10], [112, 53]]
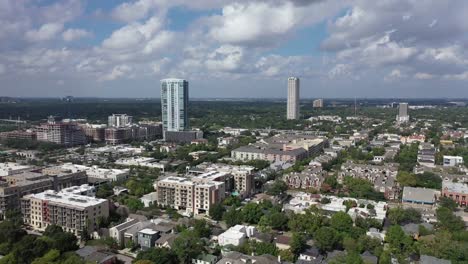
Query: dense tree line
[[54, 246]]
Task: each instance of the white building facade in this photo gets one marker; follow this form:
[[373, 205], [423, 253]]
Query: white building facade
[[293, 98]]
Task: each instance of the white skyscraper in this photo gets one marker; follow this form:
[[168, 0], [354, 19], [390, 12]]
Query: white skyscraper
[[174, 104], [293, 98], [403, 115]]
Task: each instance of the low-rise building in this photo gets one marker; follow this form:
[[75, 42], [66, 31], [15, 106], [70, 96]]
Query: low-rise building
[[227, 141], [426, 154], [450, 161], [74, 213], [147, 238], [142, 162], [456, 191], [93, 172], [10, 168], [311, 177], [239, 258], [382, 176], [149, 199], [236, 235], [117, 232], [423, 196]]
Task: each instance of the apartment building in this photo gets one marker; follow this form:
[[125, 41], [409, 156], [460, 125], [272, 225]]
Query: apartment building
[[282, 148], [18, 134], [120, 120], [194, 195], [383, 177], [68, 134], [242, 176], [94, 132], [13, 187], [74, 213], [317, 103], [427, 154]]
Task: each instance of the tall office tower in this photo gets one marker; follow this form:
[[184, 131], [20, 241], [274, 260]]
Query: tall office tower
[[403, 115], [174, 103], [120, 120], [293, 98], [318, 103]]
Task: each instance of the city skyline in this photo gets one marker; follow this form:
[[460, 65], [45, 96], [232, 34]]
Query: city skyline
[[361, 48]]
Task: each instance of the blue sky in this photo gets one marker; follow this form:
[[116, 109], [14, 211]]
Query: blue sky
[[225, 48]]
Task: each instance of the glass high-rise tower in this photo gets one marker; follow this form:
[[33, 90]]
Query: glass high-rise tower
[[174, 104]]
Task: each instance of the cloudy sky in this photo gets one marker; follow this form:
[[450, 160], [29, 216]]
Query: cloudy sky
[[243, 48]]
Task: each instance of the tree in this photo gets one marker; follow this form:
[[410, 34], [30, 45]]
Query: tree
[[385, 258], [275, 220], [49, 257], [104, 191], [187, 246], [216, 211], [201, 228], [297, 244], [286, 255], [134, 204], [251, 213], [277, 187], [326, 238], [448, 203], [232, 201], [307, 223], [401, 216], [447, 220], [157, 255], [231, 217], [341, 222], [399, 242]]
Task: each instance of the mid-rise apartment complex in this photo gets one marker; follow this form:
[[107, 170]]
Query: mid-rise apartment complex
[[120, 120], [68, 134], [317, 103], [74, 213], [174, 103], [118, 135], [195, 195], [94, 132], [18, 134], [281, 148], [242, 177], [13, 187], [293, 98]]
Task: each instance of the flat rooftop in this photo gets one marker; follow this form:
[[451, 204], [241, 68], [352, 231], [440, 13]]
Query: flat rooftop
[[68, 198], [457, 187]]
